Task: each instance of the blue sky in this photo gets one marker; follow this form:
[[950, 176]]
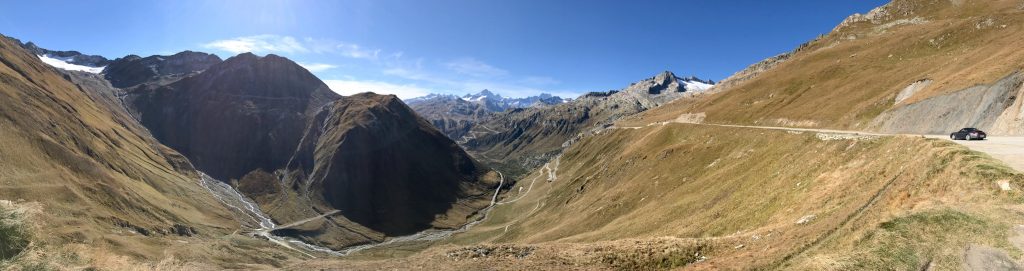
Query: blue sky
[[410, 48]]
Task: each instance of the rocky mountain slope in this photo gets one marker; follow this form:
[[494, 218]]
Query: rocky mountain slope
[[300, 150], [268, 99], [520, 139], [387, 170], [455, 115]]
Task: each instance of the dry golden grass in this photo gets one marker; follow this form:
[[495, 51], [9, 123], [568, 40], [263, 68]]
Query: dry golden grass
[[876, 202], [836, 82], [105, 193]]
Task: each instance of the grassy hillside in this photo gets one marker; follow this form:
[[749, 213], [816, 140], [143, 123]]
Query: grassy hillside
[[95, 190], [750, 198], [847, 78]]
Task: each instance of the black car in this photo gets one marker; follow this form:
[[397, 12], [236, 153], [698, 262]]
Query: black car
[[968, 134]]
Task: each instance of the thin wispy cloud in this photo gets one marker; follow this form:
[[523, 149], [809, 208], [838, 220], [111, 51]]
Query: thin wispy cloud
[[259, 44], [350, 87], [317, 67], [511, 88], [356, 51], [414, 76], [265, 44], [473, 67]]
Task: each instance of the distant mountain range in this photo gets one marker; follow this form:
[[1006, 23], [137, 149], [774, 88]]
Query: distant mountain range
[[455, 115], [492, 101], [516, 141]]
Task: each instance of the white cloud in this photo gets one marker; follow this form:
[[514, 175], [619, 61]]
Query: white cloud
[[473, 67], [317, 67], [355, 51], [259, 44], [349, 87], [464, 74], [511, 88], [286, 44]]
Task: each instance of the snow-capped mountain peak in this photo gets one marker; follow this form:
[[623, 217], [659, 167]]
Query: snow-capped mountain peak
[[493, 102]]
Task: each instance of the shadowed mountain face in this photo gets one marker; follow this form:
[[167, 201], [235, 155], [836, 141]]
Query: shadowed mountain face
[[243, 114], [385, 167], [299, 149]]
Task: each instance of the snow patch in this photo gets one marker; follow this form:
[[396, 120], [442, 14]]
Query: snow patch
[[696, 86], [62, 63]]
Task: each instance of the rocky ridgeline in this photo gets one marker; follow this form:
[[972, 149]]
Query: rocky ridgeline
[[132, 70], [73, 57]]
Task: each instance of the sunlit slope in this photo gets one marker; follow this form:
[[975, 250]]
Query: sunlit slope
[[862, 74], [765, 198], [100, 191]]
